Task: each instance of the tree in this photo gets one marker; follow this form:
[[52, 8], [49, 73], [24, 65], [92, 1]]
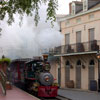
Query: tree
[[21, 7]]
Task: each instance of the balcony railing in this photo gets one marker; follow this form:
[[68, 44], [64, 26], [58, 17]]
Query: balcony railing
[[77, 48]]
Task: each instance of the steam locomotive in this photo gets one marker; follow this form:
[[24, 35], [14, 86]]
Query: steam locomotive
[[34, 76]]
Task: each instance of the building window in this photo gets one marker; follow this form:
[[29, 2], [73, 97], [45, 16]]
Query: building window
[[67, 38], [78, 20], [67, 63], [79, 62], [91, 16], [92, 62], [67, 22], [78, 37], [67, 71], [91, 34]]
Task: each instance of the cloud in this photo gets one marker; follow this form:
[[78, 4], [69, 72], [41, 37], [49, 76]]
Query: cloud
[[28, 41]]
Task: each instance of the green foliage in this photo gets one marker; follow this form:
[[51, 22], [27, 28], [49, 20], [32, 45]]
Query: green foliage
[[21, 7], [0, 61], [5, 60]]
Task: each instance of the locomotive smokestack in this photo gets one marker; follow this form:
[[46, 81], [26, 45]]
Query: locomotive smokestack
[[45, 57]]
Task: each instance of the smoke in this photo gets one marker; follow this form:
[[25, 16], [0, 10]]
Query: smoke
[[28, 40]]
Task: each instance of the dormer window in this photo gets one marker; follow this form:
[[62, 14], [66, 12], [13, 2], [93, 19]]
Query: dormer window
[[85, 5], [73, 8]]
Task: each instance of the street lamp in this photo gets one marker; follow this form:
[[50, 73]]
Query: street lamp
[[98, 56]]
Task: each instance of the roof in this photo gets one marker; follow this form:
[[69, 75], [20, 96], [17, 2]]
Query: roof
[[94, 4], [92, 8], [22, 60]]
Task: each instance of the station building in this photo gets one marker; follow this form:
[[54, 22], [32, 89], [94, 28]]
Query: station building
[[75, 63]]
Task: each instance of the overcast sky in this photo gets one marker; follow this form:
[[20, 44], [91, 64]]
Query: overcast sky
[[64, 6]]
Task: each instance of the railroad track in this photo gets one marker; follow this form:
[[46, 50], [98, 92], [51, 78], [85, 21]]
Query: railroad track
[[57, 98]]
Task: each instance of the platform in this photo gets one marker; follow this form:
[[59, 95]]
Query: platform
[[17, 94]]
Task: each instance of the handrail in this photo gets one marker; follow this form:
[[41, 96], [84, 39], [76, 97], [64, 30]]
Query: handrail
[[76, 48], [3, 82]]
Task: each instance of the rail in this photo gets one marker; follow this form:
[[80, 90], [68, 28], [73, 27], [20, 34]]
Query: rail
[[3, 82]]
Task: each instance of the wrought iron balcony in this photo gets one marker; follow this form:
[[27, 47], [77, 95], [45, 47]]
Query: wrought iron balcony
[[76, 48]]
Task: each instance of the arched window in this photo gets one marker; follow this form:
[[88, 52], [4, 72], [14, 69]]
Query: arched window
[[79, 62], [67, 71], [92, 62], [67, 63]]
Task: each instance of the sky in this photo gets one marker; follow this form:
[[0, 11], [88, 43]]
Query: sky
[[63, 7]]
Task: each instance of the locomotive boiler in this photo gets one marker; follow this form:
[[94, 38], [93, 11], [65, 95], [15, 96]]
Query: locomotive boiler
[[39, 80]]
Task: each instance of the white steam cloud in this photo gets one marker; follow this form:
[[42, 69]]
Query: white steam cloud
[[28, 41]]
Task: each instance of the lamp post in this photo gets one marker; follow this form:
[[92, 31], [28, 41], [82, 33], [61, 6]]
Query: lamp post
[[98, 56]]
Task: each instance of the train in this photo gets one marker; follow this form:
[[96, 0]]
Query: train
[[33, 75]]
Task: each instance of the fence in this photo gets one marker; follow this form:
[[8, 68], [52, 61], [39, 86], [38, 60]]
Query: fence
[[76, 48]]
